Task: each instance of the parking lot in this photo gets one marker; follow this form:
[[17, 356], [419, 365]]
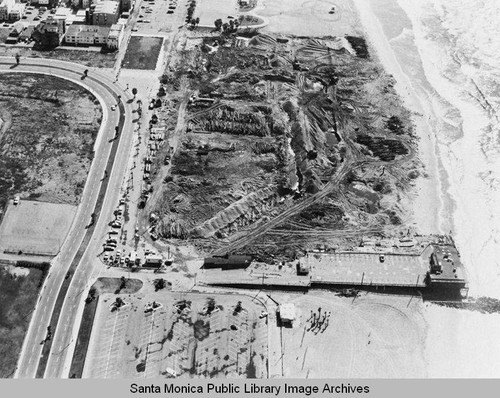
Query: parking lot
[[110, 343], [160, 16], [167, 334]]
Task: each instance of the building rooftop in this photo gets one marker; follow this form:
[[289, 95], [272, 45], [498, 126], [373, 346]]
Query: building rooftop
[[88, 31], [229, 260], [287, 312], [447, 258], [106, 7], [116, 27], [63, 12]]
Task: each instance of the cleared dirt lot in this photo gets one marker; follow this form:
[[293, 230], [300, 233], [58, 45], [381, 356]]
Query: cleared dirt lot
[[35, 227], [187, 335], [373, 335]]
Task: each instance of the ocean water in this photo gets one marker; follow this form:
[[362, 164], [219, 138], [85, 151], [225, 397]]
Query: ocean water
[[450, 51]]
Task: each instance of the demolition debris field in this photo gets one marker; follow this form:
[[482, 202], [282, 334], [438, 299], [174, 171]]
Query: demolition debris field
[[287, 141]]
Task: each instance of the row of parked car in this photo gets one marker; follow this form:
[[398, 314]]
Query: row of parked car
[[116, 225]]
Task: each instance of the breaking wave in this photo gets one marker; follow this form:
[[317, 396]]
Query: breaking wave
[[458, 44]]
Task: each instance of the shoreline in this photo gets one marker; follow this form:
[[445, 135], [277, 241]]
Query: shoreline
[[430, 205], [458, 343]]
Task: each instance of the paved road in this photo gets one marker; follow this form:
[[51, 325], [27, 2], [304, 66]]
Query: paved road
[[77, 243]]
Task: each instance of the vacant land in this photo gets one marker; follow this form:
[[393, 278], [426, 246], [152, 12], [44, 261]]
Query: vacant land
[[338, 337], [142, 52], [18, 294], [47, 138], [35, 227], [288, 139], [185, 335]]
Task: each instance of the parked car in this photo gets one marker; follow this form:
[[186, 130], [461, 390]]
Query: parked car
[[16, 200]]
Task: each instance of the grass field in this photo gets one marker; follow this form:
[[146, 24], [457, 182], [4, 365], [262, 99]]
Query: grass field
[[18, 294], [142, 53], [47, 138]]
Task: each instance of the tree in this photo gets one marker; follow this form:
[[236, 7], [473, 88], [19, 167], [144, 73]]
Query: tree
[[197, 21], [134, 91], [85, 72], [218, 24], [159, 284], [123, 283]]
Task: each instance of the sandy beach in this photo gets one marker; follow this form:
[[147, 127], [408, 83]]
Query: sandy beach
[[459, 343], [431, 214]]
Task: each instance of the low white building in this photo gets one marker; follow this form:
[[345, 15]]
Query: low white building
[[287, 313], [17, 11], [86, 34], [5, 9], [115, 36]]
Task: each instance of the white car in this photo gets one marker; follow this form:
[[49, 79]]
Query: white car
[[113, 107]]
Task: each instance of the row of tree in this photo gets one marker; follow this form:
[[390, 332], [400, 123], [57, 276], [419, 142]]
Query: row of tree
[[226, 27]]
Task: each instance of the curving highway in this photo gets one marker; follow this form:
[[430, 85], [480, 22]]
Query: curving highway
[[61, 299]]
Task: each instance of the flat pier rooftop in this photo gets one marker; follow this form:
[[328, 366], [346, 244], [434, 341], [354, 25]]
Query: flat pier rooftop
[[339, 268], [355, 268]]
